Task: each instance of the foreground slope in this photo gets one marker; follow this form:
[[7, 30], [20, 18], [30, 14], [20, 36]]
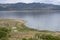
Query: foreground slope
[[19, 30]]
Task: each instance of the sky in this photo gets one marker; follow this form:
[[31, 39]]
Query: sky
[[31, 1]]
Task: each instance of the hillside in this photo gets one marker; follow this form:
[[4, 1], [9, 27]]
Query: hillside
[[19, 31], [30, 6]]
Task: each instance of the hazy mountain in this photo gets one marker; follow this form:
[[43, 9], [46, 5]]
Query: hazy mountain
[[24, 6]]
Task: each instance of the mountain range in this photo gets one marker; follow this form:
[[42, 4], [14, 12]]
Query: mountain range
[[29, 6]]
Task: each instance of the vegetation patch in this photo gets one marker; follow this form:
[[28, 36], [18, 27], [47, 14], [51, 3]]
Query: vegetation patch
[[16, 30]]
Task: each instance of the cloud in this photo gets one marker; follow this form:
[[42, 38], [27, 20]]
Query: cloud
[[30, 1], [2, 1]]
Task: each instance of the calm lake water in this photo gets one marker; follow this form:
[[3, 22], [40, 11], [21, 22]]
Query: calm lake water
[[37, 20]]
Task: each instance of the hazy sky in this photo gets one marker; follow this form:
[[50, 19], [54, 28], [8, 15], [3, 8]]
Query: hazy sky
[[30, 1]]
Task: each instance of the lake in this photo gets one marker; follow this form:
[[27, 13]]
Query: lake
[[37, 20]]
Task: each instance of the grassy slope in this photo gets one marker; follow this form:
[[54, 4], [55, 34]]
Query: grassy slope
[[20, 30]]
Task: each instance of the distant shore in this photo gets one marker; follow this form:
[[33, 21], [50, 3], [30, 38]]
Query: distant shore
[[43, 11]]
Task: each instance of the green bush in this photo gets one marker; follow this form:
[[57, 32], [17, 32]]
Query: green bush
[[24, 39], [4, 29], [4, 33], [32, 39]]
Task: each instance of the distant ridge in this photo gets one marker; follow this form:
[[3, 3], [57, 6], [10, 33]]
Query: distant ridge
[[30, 6]]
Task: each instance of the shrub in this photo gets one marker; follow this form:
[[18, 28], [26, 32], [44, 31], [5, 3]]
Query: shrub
[[24, 39], [4, 29], [32, 39], [4, 33], [47, 37]]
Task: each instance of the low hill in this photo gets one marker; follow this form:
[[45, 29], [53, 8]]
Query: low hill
[[30, 6]]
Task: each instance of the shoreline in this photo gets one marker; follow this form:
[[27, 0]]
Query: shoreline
[[42, 11]]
